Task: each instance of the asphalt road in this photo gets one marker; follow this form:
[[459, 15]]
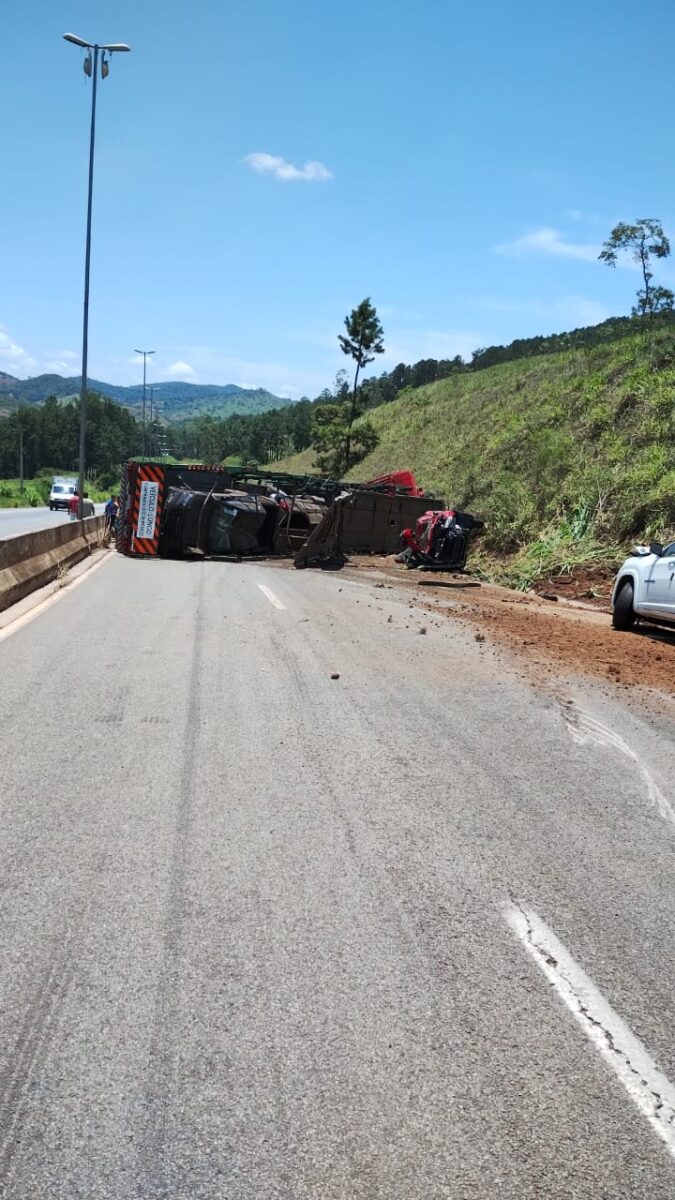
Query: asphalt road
[[29, 520], [269, 934]]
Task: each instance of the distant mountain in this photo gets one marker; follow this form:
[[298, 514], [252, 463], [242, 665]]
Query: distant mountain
[[177, 401]]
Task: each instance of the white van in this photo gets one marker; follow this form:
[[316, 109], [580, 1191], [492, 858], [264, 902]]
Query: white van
[[62, 490]]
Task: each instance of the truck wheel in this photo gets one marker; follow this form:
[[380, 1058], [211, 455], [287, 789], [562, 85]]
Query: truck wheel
[[623, 616]]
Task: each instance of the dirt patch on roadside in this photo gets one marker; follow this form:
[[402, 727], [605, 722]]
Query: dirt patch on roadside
[[575, 635], [592, 585]]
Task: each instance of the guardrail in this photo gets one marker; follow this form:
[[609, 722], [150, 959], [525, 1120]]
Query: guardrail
[[28, 561]]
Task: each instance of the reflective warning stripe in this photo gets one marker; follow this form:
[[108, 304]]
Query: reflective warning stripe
[[148, 473]]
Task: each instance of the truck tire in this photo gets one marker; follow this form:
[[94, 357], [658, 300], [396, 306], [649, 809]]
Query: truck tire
[[624, 615]]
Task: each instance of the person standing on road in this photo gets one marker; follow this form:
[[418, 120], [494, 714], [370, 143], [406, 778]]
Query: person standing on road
[[111, 510], [73, 505]]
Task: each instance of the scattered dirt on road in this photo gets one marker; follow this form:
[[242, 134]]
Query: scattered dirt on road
[[566, 633]]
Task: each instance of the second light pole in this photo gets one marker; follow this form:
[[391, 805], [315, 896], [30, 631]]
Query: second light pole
[[145, 354], [153, 420]]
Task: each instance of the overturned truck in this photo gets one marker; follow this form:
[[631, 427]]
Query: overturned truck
[[183, 511]]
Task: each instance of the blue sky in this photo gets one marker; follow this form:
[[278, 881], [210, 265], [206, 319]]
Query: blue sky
[[263, 165]]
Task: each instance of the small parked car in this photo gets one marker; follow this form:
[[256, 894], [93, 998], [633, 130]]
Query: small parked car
[[645, 586]]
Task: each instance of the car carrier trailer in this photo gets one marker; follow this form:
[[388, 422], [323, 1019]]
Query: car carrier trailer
[[175, 510]]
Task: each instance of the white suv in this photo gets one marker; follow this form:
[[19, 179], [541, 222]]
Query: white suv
[[645, 586]]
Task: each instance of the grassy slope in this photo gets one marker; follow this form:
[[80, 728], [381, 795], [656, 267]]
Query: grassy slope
[[566, 456]]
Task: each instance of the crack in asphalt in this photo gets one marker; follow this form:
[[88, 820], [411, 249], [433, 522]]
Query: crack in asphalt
[[661, 1107]]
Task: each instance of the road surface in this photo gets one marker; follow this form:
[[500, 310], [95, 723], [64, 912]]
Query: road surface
[[29, 520], [407, 934]]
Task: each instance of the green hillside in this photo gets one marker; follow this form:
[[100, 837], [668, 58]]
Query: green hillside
[[178, 401], [570, 453]]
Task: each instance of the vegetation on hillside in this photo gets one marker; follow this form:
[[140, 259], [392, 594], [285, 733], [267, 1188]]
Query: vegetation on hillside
[[278, 433], [566, 456]]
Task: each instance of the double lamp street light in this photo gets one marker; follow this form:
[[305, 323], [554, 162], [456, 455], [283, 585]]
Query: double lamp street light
[[90, 68]]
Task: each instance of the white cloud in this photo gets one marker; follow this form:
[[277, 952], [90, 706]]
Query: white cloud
[[14, 360], [548, 241], [271, 164], [181, 370]]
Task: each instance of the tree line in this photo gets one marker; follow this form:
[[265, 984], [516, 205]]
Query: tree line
[[47, 435]]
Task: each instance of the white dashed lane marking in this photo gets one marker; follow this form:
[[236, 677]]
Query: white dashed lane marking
[[271, 597], [649, 1089]]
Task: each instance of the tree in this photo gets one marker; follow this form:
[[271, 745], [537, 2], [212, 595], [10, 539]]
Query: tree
[[365, 339], [22, 423], [330, 429], [644, 240]]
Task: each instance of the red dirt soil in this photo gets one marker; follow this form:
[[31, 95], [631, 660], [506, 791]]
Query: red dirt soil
[[575, 635]]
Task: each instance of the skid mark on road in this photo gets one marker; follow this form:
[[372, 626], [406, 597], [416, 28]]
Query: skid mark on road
[[30, 1051], [271, 597], [649, 1089], [584, 728]]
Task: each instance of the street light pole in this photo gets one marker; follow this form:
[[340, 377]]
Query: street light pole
[[90, 68], [153, 419], [145, 354], [85, 323]]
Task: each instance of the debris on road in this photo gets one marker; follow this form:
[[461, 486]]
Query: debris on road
[[570, 635]]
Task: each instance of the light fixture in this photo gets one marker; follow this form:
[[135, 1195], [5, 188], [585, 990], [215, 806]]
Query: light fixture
[[77, 41]]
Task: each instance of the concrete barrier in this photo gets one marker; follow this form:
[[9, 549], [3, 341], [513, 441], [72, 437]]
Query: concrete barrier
[[28, 561]]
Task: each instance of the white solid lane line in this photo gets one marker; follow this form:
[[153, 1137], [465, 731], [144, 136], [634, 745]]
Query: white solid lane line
[[631, 1062], [271, 597], [26, 618]]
